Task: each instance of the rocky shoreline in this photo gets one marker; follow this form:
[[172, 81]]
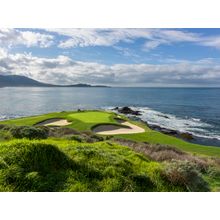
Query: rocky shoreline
[[134, 115]]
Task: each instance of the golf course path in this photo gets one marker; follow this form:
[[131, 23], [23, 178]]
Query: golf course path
[[113, 129], [54, 122]]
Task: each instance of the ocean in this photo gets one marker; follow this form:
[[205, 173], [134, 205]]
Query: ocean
[[194, 110]]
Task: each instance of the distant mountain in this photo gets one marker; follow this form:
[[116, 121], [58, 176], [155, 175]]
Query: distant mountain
[[23, 81]]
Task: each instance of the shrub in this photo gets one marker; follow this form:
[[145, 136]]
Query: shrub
[[61, 131], [163, 153], [97, 137], [76, 138], [85, 138], [2, 126], [29, 132], [108, 137], [185, 174], [5, 135], [214, 172]]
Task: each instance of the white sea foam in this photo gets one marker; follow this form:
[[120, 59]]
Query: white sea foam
[[194, 126], [3, 117], [6, 117]]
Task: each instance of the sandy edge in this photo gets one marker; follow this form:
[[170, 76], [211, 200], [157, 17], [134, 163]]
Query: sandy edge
[[113, 129], [54, 122]]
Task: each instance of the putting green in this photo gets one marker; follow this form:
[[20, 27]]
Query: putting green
[[93, 117]]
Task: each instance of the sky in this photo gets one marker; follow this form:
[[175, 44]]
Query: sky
[[115, 57]]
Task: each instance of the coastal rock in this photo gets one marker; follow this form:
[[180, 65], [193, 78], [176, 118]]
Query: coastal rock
[[169, 131], [175, 133], [163, 130], [186, 136], [163, 116], [127, 111]]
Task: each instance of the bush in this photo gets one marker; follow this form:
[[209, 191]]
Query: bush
[[5, 135], [97, 137], [29, 132], [84, 138], [162, 153], [108, 137], [2, 126], [214, 172], [76, 138], [185, 174], [61, 132]]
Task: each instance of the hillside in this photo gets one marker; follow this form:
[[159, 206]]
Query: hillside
[[23, 81], [38, 155]]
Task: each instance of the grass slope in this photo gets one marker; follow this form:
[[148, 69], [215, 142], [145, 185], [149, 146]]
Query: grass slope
[[61, 165], [155, 137], [64, 159]]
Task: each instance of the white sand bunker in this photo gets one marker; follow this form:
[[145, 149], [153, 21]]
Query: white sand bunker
[[54, 122], [113, 129]]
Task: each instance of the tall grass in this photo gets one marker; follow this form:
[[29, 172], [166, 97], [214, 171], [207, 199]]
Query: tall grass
[[52, 165]]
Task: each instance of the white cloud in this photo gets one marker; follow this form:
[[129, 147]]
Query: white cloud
[[13, 37], [64, 70], [110, 37], [36, 39], [153, 37], [99, 37], [211, 42]]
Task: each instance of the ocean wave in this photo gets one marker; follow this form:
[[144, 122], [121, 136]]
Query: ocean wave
[[3, 117], [195, 126], [7, 117]]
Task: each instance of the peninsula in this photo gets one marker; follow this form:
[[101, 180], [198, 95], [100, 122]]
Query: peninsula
[[23, 81]]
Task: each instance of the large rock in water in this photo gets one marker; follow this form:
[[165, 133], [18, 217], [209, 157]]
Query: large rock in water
[[126, 110], [186, 136]]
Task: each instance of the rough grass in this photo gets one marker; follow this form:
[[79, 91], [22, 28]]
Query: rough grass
[[184, 173], [161, 153], [70, 166], [81, 161]]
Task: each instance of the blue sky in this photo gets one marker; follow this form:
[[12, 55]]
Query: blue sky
[[117, 57]]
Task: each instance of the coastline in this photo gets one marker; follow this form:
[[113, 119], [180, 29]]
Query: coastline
[[186, 136]]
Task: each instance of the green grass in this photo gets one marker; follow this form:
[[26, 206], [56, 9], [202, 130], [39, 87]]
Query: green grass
[[61, 165], [155, 137], [32, 120], [87, 120], [93, 117]]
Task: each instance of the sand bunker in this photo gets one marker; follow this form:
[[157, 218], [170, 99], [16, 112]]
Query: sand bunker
[[54, 122], [113, 129]]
